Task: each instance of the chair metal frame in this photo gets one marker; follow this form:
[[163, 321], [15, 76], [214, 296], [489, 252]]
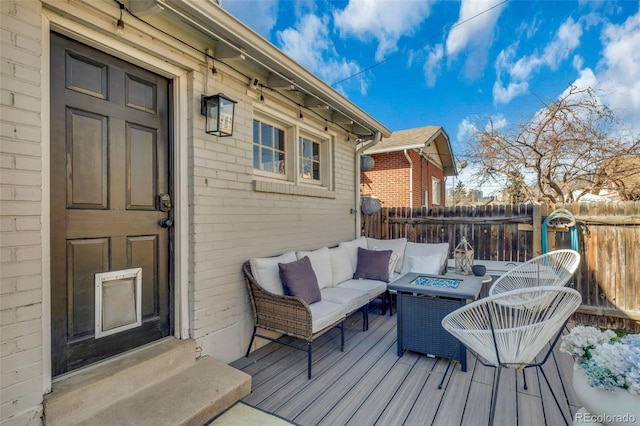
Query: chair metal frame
[[510, 329], [553, 268]]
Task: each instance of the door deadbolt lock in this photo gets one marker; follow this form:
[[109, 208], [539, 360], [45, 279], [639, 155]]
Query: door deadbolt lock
[[164, 202]]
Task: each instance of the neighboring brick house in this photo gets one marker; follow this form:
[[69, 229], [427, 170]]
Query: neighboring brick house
[[410, 168]]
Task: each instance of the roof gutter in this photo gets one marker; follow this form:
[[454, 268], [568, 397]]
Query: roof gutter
[[358, 152]]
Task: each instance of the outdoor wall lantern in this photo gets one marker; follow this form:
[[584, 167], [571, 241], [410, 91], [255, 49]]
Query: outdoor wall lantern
[[219, 111], [463, 257]]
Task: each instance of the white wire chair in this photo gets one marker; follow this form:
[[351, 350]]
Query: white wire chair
[[552, 268], [504, 334]]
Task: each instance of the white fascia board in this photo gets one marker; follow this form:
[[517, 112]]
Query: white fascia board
[[393, 149]]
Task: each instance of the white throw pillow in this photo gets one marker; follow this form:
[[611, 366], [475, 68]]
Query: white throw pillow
[[397, 246], [426, 249], [321, 264], [425, 264], [267, 273], [340, 265], [352, 251], [393, 261]]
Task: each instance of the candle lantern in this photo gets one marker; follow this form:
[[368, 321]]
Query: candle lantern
[[463, 257]]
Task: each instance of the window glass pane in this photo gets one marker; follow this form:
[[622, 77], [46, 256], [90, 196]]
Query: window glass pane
[[316, 151], [256, 157], [267, 160], [280, 163], [267, 135], [303, 147], [305, 168], [256, 131], [279, 139], [316, 171]]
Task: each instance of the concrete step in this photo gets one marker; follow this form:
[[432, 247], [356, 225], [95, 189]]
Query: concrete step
[[158, 370], [191, 397]]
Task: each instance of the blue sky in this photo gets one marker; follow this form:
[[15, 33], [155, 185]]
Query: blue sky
[[411, 63]]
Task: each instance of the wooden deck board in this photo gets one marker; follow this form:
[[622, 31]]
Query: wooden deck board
[[369, 384]]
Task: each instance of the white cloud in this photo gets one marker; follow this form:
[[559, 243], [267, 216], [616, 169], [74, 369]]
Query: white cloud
[[503, 94], [466, 130], [432, 65], [383, 20], [310, 45], [518, 73], [529, 29], [578, 62], [620, 69], [474, 36], [617, 75], [497, 122], [260, 16]]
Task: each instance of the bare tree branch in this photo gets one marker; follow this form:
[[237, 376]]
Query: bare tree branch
[[566, 150]]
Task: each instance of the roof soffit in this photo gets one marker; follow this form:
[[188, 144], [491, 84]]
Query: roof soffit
[[235, 40]]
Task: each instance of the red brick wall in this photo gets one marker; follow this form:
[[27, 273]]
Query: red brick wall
[[389, 179]]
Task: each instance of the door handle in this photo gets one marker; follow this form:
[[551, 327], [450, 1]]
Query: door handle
[[165, 223]]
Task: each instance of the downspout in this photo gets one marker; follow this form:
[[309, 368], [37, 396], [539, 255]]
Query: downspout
[[406, 154], [376, 138]]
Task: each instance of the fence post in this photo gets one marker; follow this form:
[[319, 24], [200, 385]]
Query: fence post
[[537, 230], [384, 223]]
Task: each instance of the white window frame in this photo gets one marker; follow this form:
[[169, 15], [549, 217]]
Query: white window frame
[[436, 191], [288, 131], [294, 131], [323, 160]]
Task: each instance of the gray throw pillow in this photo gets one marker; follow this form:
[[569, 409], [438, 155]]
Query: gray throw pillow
[[299, 280], [373, 264]]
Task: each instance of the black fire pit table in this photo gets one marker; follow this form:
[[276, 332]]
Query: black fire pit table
[[423, 300]]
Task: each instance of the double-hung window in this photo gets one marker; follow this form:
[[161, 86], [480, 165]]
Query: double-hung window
[[269, 148], [436, 191], [310, 160]]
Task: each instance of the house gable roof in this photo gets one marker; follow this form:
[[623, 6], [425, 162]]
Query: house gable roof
[[418, 139]]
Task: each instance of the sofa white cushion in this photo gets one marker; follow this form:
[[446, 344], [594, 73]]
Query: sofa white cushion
[[352, 250], [350, 298], [321, 264], [267, 273], [341, 268], [426, 249], [425, 264], [324, 313], [373, 288], [397, 246]]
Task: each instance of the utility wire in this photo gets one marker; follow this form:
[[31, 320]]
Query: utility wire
[[393, 55], [123, 7]]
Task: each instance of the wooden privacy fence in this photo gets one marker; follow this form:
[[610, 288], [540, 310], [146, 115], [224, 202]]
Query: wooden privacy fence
[[608, 234]]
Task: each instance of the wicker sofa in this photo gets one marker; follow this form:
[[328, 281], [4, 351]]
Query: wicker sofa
[[345, 285]]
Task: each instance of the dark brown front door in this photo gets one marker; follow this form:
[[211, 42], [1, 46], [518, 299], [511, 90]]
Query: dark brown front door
[[109, 169]]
